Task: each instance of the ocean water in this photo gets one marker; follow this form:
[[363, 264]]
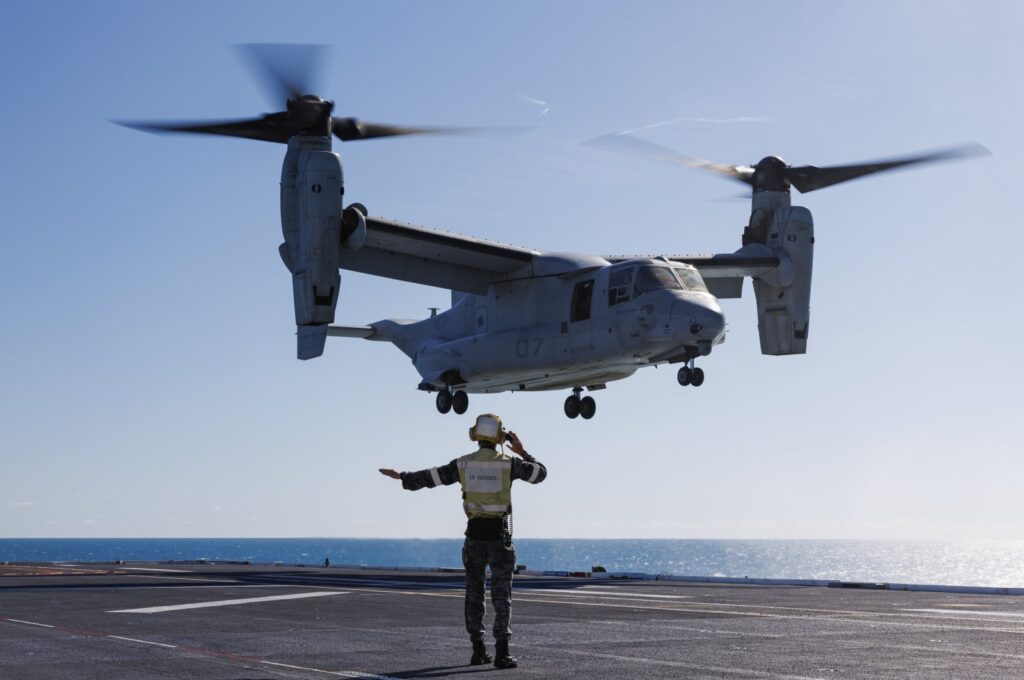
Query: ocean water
[[985, 563]]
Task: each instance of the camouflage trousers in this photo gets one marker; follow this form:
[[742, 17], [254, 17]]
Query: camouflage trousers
[[476, 556]]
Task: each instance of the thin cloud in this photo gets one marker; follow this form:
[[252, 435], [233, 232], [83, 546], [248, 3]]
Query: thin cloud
[[543, 105], [699, 119], [22, 504]]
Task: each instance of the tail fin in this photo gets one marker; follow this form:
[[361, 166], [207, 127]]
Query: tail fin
[[311, 341]]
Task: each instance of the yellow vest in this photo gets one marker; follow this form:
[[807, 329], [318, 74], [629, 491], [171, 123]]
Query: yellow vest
[[486, 478]]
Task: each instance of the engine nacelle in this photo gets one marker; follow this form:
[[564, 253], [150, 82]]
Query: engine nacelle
[[353, 227], [311, 199], [784, 294]]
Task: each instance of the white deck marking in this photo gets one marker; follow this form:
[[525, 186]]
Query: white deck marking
[[232, 657], [718, 671], [169, 571], [143, 642], [224, 603], [30, 623], [340, 674], [858, 617], [184, 578], [967, 612], [585, 593]]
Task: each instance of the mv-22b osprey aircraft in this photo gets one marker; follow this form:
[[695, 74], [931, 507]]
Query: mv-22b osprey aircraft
[[520, 319]]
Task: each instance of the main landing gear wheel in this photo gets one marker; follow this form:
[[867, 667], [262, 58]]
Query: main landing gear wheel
[[572, 406], [690, 376], [444, 401], [460, 402], [588, 407]]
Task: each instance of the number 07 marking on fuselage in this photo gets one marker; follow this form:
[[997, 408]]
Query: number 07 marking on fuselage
[[523, 347]]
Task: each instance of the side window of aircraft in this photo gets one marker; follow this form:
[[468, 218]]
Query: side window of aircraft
[[619, 283], [655, 278], [582, 296], [691, 280]]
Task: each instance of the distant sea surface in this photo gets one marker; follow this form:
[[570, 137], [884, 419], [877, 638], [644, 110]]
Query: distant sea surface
[[984, 563]]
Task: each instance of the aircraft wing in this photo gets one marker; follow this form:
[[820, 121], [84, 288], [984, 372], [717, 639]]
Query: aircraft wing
[[729, 265], [724, 273], [434, 258]]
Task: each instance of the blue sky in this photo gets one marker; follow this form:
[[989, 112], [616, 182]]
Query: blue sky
[[149, 386]]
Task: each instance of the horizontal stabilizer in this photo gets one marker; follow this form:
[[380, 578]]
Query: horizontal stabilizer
[[365, 332]]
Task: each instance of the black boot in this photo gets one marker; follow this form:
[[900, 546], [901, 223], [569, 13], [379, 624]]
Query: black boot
[[501, 656], [480, 655]]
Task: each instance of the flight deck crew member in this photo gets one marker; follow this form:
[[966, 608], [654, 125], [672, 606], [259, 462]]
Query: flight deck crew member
[[486, 477]]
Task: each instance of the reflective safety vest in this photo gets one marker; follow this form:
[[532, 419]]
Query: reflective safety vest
[[486, 478]]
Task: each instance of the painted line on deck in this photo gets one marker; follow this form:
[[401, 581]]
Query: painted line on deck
[[317, 581], [960, 613], [719, 671], [340, 674], [584, 593], [142, 642], [237, 659], [852, 616], [225, 603], [184, 578], [29, 623]]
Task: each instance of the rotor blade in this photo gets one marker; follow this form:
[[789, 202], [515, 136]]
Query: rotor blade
[[288, 71], [353, 129], [274, 127], [810, 178], [623, 142]]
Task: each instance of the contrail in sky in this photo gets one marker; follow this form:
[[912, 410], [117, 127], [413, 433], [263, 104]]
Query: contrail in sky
[[698, 119], [537, 102]]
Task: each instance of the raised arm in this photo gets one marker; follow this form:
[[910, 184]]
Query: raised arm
[[425, 479], [526, 467]]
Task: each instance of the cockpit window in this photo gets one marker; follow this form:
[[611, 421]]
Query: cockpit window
[[619, 283], [655, 278], [691, 279]]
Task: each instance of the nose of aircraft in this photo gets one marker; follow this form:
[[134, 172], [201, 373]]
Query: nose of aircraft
[[702, 318]]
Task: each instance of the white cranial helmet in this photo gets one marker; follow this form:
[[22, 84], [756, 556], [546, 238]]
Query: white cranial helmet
[[487, 429]]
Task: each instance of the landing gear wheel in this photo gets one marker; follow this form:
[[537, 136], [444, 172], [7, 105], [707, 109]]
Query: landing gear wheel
[[685, 376], [460, 402], [444, 401], [588, 407], [572, 406], [697, 377]]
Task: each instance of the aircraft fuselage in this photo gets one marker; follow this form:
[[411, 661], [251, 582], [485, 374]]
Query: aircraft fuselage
[[582, 328]]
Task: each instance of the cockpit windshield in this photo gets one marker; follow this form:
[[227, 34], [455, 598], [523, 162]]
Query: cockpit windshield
[[655, 278], [691, 279]]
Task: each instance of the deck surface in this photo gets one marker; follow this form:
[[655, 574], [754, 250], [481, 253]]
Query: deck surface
[[250, 621]]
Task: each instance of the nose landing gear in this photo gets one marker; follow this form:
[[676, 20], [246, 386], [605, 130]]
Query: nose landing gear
[[690, 375], [447, 400], [575, 406]]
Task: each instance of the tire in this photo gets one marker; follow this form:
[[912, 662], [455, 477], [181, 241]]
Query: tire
[[697, 379], [572, 406], [684, 376], [588, 407], [443, 401], [460, 402]]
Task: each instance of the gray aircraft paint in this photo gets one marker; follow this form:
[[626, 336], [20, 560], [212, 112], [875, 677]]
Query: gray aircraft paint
[[514, 321]]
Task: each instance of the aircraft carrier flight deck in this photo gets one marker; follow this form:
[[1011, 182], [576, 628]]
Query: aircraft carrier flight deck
[[232, 621]]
